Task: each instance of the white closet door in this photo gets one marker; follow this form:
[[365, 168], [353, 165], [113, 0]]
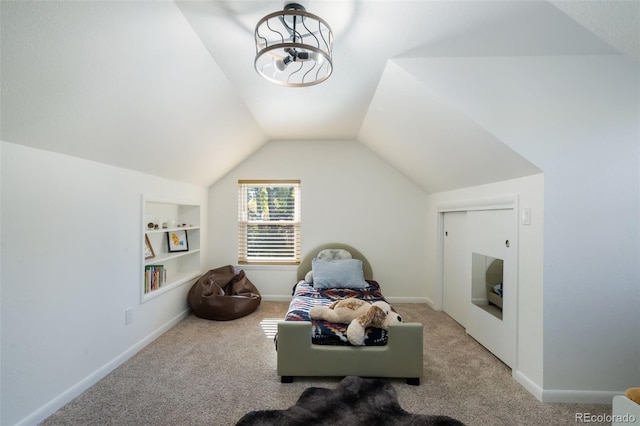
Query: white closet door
[[456, 291], [493, 233]]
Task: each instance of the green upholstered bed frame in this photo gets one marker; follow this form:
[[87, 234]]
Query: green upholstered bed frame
[[401, 357]]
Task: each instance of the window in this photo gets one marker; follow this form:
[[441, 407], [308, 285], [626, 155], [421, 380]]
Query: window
[[269, 221]]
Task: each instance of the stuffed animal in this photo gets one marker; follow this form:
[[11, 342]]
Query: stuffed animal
[[633, 394], [359, 314]]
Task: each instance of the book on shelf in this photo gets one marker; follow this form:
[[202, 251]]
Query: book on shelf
[[154, 277]]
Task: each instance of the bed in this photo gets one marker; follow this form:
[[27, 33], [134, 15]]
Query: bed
[[401, 355]]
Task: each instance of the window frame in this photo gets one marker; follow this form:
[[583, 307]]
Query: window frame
[[244, 221]]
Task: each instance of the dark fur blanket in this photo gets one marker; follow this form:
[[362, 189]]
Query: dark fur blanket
[[356, 401]]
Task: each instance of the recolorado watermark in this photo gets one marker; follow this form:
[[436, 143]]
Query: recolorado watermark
[[604, 418]]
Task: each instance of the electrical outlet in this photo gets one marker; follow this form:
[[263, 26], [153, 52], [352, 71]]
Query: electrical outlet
[[128, 316]]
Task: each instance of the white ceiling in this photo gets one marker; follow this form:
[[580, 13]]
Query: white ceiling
[[168, 88]]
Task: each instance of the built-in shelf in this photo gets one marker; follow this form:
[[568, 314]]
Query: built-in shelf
[[170, 256], [178, 280], [167, 270], [163, 230]]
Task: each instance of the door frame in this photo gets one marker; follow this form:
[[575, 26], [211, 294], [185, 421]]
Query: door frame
[[502, 202]]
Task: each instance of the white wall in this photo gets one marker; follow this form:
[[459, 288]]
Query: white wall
[[582, 130], [530, 191], [349, 195], [71, 265], [592, 230], [576, 118]]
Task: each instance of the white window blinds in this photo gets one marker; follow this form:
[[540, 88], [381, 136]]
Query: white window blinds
[[269, 221]]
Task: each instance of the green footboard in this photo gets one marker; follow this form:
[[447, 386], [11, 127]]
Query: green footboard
[[401, 357]]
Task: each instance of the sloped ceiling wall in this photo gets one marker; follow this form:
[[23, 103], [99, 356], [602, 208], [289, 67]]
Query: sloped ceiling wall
[[123, 83], [168, 88], [437, 146], [434, 112], [616, 22]]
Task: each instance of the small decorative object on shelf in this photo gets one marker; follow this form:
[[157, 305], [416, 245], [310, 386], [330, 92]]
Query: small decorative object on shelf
[[148, 248], [177, 241]]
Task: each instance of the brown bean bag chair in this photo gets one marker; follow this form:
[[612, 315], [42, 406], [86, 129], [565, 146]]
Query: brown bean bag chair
[[223, 294]]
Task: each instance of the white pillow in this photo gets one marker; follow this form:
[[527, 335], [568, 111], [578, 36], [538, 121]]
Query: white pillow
[[334, 254], [345, 273]]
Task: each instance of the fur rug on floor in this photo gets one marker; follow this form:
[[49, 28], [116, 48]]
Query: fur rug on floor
[[356, 401]]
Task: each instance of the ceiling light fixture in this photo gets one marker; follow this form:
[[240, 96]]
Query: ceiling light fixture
[[293, 47]]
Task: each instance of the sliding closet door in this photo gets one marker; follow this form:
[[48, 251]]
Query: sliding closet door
[[456, 267], [491, 239]]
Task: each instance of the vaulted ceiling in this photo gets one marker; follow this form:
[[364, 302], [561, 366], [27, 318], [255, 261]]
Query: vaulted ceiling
[[168, 88]]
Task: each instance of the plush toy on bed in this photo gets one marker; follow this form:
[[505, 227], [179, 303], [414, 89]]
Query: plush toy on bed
[[359, 314]]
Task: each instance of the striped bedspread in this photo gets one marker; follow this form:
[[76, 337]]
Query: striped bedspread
[[329, 333]]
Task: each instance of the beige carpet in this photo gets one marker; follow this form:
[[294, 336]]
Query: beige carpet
[[205, 372]]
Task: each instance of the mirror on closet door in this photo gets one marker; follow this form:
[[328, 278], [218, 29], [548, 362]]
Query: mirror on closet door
[[487, 284]]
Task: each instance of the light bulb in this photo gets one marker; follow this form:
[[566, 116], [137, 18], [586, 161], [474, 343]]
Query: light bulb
[[281, 64]]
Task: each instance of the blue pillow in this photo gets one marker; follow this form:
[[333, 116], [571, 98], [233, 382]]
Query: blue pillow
[[345, 273]]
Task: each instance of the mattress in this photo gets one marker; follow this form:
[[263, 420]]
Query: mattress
[[329, 333]]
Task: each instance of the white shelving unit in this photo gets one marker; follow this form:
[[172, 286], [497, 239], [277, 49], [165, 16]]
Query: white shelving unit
[[180, 267]]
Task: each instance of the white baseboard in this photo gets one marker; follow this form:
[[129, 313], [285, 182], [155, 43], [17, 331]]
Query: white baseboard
[[564, 396], [74, 391], [432, 304], [528, 384], [276, 298], [579, 396]]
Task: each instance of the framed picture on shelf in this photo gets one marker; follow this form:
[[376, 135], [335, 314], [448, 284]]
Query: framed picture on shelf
[[148, 248], [177, 241]]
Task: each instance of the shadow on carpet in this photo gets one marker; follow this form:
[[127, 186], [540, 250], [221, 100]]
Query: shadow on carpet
[[356, 401]]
